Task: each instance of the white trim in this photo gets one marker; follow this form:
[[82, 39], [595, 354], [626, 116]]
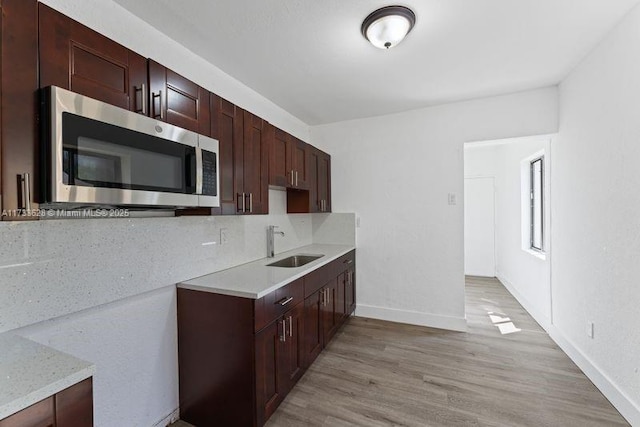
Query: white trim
[[538, 254], [539, 317], [452, 323], [627, 408], [169, 419]]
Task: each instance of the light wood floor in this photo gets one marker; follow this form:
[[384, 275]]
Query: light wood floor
[[377, 373]]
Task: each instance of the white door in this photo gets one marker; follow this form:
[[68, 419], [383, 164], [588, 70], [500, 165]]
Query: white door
[[479, 227]]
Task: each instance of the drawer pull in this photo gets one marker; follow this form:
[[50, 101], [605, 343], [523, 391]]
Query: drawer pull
[[348, 261], [285, 301]]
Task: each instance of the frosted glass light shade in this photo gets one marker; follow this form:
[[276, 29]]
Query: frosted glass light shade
[[387, 27]]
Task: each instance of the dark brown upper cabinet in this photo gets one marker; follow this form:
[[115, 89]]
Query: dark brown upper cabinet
[[318, 174], [244, 143], [177, 100], [19, 105], [280, 159], [254, 197], [227, 128], [288, 162], [323, 182], [79, 59]]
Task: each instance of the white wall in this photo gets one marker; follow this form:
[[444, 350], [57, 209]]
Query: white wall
[[395, 172], [112, 20], [596, 226], [526, 274]]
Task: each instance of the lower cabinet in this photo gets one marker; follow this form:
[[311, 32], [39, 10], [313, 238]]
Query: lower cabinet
[[279, 361], [72, 407], [239, 357]]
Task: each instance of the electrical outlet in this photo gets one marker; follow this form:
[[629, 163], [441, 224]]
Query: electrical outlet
[[452, 199], [590, 329], [223, 236]]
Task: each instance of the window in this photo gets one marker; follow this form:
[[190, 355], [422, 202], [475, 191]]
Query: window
[[536, 193]]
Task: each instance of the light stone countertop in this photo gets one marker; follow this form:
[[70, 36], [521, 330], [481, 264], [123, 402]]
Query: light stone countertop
[[31, 372], [255, 280]]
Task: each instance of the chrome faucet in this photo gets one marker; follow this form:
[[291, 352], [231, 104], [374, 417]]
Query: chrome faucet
[[271, 232]]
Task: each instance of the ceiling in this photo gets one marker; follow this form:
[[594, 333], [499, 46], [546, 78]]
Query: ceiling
[[309, 57]]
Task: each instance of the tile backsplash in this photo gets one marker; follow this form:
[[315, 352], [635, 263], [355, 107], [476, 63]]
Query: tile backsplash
[[57, 267]]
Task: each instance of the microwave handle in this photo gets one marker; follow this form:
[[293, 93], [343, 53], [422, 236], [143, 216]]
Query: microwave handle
[[191, 171], [199, 172]]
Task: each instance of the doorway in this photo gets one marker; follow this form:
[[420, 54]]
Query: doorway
[[507, 218]]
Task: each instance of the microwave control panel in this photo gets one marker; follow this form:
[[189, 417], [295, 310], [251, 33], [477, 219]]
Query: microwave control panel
[[209, 174]]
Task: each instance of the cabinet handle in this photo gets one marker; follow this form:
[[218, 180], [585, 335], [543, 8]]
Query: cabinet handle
[[283, 337], [153, 101], [322, 297], [143, 94], [25, 182], [296, 178], [348, 261], [250, 202], [145, 100], [135, 98], [291, 326], [240, 196], [291, 176], [284, 301]]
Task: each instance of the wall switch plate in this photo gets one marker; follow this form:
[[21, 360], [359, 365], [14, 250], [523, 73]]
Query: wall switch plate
[[452, 199], [223, 236], [590, 329]]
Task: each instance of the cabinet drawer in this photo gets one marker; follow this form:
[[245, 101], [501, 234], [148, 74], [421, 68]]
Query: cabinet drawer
[[274, 305], [317, 278], [345, 262]]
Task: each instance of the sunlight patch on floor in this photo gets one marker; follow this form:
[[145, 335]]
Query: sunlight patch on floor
[[504, 323]]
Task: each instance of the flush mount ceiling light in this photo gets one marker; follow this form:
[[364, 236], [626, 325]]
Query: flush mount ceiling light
[[388, 26]]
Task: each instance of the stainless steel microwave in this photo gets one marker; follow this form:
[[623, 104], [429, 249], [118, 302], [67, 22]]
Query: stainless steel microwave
[[96, 154]]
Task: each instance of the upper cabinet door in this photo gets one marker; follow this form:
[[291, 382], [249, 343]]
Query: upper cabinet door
[[19, 106], [256, 168], [324, 181], [176, 100], [79, 59], [280, 164], [300, 164], [288, 162], [312, 164], [227, 128]]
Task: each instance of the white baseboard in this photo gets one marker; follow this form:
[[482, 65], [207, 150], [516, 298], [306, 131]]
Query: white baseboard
[[629, 410], [542, 320], [171, 418], [458, 324]]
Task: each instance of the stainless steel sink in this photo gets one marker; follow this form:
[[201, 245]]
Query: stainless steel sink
[[295, 261]]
